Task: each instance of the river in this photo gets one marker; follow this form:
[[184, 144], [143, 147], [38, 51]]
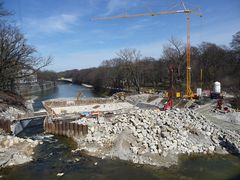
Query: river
[[63, 90], [54, 156]]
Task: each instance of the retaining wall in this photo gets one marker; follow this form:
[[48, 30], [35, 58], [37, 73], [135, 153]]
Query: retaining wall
[[64, 128]]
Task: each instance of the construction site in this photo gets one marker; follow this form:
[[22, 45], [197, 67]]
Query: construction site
[[147, 119], [151, 128], [146, 128]]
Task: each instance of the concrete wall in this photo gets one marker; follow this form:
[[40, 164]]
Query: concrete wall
[[29, 89]]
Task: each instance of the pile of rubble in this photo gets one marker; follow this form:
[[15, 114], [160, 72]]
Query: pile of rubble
[[155, 137], [15, 150], [10, 113]]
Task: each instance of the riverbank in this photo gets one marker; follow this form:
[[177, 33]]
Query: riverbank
[[15, 150], [29, 89]]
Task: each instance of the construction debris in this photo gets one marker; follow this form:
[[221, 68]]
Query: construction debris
[[156, 138], [14, 150]]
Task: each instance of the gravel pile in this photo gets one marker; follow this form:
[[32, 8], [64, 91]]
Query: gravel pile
[[147, 136]]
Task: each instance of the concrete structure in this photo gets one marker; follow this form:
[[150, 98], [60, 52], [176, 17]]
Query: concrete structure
[[65, 79], [30, 77], [22, 121]]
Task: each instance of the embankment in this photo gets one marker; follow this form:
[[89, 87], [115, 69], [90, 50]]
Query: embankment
[[29, 89], [14, 150]]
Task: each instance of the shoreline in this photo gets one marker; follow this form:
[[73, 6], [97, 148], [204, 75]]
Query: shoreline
[[15, 150], [87, 85], [28, 90]]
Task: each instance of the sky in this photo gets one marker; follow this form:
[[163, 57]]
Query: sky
[[66, 29]]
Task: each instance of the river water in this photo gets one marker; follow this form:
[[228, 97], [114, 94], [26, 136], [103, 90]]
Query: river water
[[63, 90], [54, 156]]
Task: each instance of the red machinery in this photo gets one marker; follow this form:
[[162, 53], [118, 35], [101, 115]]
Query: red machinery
[[168, 105]]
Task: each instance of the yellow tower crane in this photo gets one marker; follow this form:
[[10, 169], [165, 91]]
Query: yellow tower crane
[[186, 11]]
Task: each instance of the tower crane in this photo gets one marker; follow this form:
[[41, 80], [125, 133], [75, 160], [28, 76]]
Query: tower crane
[[187, 12]]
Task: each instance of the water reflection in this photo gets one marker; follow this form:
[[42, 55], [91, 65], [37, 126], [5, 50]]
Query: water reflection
[[63, 90]]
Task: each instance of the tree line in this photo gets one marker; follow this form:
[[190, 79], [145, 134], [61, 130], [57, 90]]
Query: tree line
[[130, 70]]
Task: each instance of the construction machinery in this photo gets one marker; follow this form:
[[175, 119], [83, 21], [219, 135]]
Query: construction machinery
[[187, 12], [168, 105]]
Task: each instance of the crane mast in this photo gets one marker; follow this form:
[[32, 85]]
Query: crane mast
[[189, 92]]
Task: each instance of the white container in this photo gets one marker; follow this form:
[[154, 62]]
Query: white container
[[217, 87], [199, 91]]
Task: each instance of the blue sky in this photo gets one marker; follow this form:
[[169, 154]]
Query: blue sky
[[64, 29]]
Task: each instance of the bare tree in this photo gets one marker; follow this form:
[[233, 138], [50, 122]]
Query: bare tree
[[235, 44], [174, 53], [131, 57], [17, 58]]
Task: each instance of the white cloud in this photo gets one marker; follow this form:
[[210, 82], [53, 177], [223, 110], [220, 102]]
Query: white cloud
[[115, 5], [60, 23]]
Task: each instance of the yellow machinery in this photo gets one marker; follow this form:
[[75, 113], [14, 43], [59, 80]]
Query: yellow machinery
[[189, 92]]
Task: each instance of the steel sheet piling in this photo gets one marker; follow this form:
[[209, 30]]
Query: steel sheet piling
[[58, 127]]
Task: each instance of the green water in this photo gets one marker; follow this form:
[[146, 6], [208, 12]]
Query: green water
[[56, 157]]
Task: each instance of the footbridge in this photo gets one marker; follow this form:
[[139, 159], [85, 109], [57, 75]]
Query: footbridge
[[65, 79]]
